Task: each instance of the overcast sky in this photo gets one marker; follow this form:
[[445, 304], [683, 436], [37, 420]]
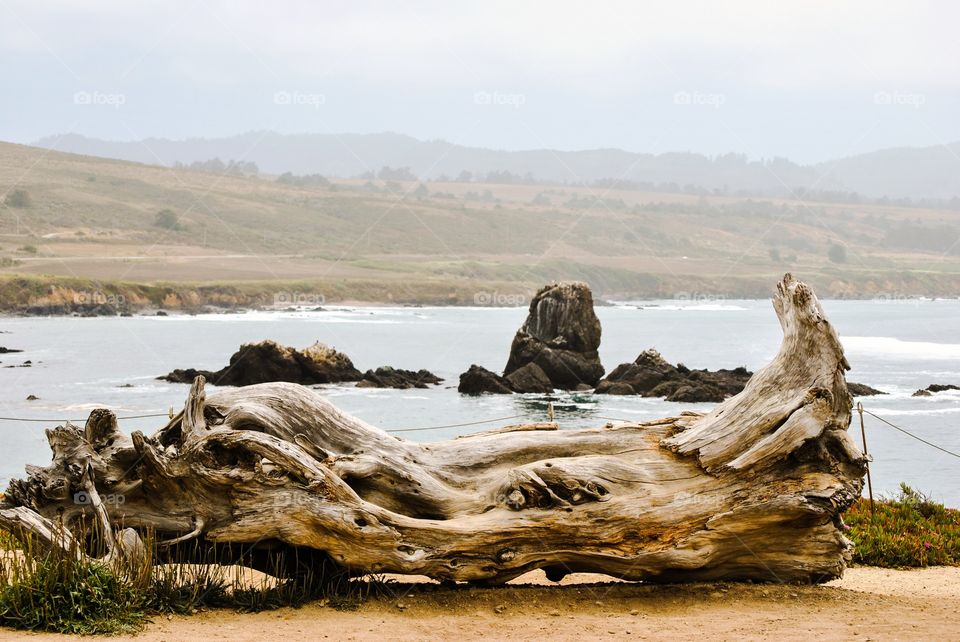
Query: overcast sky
[[806, 80]]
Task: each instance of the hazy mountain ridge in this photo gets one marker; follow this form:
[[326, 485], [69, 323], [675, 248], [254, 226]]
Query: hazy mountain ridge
[[914, 172], [906, 172]]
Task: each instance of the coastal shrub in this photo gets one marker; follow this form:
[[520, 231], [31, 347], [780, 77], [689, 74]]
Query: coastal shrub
[[64, 592], [909, 530], [837, 253], [18, 198], [168, 220]]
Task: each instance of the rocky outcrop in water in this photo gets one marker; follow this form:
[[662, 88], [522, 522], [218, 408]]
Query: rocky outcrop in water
[[863, 390], [387, 377], [650, 375], [560, 337], [478, 380], [530, 378], [267, 361], [934, 388]]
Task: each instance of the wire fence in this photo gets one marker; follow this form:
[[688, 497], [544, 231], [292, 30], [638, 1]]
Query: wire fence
[[481, 422], [910, 434], [169, 416]]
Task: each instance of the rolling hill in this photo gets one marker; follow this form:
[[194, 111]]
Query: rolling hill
[[86, 222]]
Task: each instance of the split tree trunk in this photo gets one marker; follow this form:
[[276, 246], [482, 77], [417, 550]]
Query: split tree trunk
[[752, 490]]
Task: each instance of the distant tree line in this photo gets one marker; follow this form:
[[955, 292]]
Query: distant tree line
[[387, 173], [505, 177], [307, 180], [217, 166]]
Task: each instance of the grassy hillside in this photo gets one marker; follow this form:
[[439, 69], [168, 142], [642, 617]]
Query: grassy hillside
[[98, 222]]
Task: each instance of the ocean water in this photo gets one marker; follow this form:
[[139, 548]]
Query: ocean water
[[83, 363]]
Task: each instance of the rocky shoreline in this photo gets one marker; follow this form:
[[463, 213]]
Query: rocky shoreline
[[29, 295]]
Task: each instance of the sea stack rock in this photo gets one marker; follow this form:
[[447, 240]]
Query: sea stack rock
[[558, 342]]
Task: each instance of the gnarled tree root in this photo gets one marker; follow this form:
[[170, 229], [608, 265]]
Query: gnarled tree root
[[753, 490]]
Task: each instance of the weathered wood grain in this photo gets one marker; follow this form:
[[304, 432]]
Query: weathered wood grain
[[752, 490]]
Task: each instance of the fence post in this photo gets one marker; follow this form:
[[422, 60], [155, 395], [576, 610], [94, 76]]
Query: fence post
[[866, 455]]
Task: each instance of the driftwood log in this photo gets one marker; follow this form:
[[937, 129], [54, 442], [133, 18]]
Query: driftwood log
[[753, 490]]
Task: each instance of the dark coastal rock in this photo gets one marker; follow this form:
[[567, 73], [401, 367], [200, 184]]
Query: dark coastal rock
[[4, 350], [97, 310], [268, 361], [387, 377], [646, 372], [187, 375], [935, 387], [650, 375], [529, 378], [70, 309], [478, 380], [561, 335], [863, 390], [33, 398]]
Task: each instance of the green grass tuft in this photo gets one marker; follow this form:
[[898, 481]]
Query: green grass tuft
[[67, 595]]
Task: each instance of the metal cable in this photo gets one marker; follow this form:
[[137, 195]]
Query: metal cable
[[910, 434]]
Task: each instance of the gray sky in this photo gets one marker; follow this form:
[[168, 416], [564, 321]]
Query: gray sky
[[806, 80]]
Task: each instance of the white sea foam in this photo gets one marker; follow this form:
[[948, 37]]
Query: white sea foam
[[87, 407], [336, 315], [896, 348], [697, 307], [903, 412]]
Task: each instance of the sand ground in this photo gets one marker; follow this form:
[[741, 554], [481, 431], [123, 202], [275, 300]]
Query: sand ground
[[867, 604]]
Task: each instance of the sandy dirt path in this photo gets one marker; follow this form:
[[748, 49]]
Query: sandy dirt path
[[867, 604]]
